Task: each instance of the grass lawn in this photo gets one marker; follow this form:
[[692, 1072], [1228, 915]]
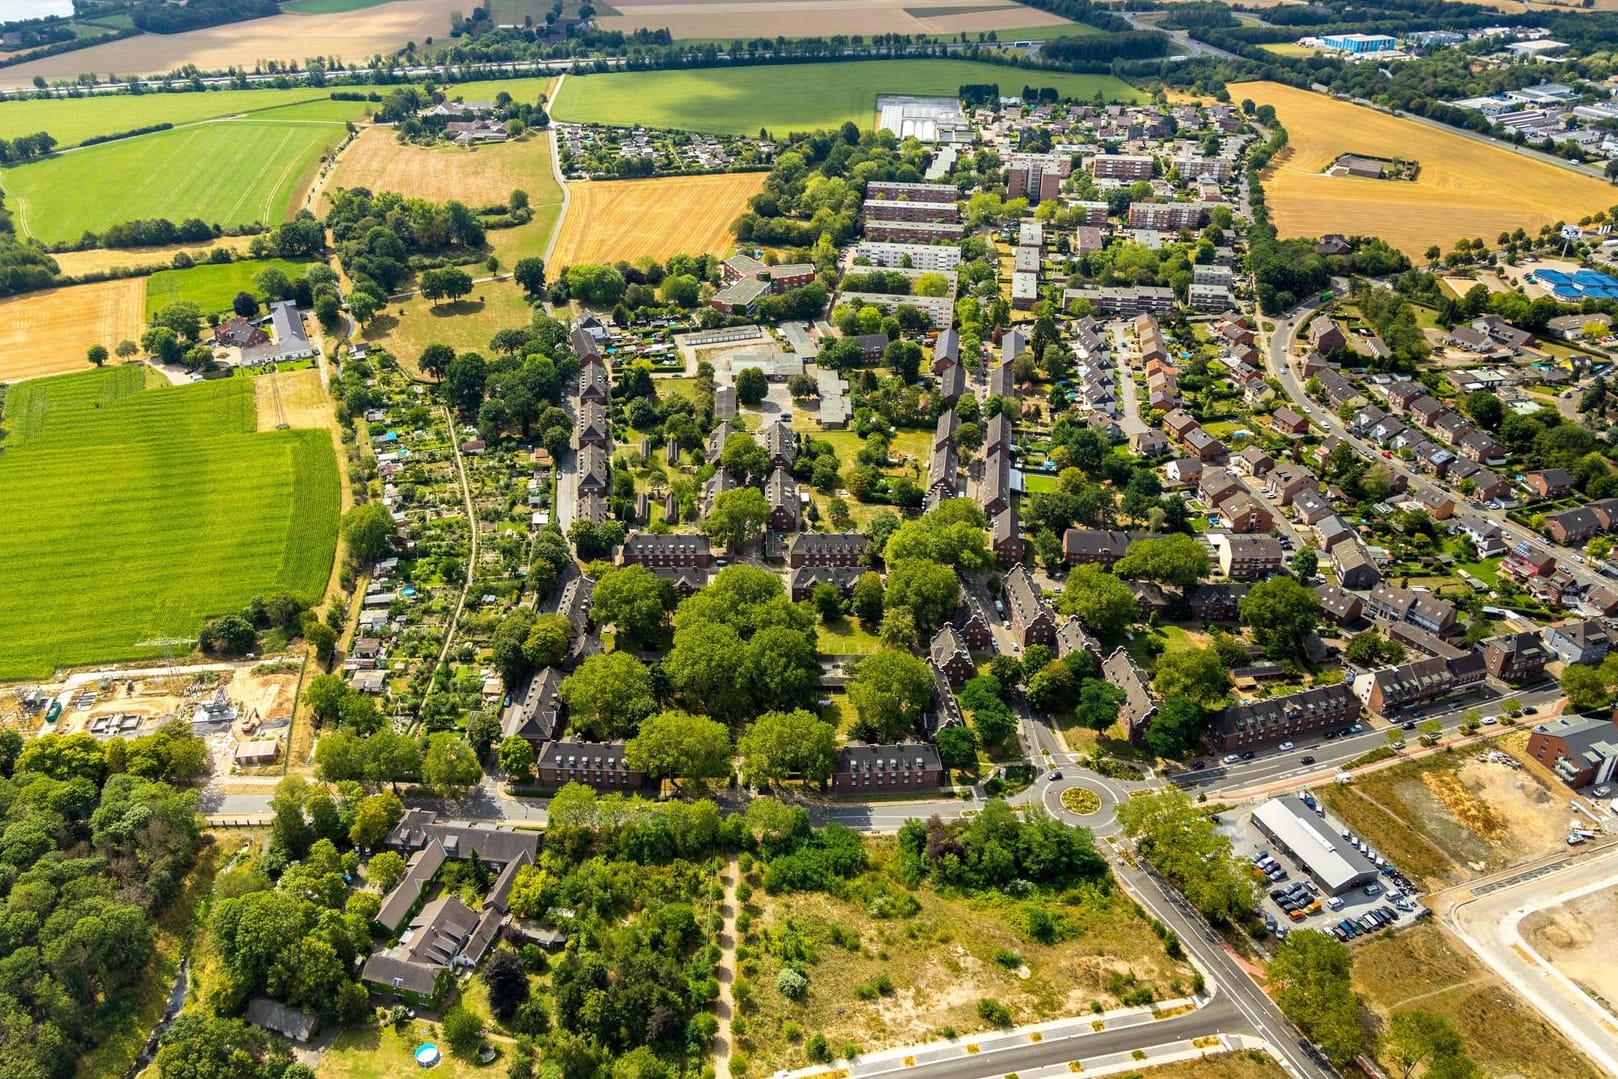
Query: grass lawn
[[845, 637], [148, 511], [374, 1052], [409, 327], [743, 100], [1283, 48], [237, 172], [213, 285], [72, 120], [1423, 967], [1038, 483]]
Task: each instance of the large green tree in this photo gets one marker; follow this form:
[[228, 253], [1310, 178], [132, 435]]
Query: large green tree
[[1181, 843], [679, 745], [637, 601], [737, 518], [890, 690], [1175, 559], [1282, 614], [450, 766], [1310, 978], [1101, 602], [781, 744], [608, 696], [930, 591], [1197, 674]]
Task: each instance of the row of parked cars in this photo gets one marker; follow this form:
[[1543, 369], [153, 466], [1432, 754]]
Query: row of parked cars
[[1369, 922]]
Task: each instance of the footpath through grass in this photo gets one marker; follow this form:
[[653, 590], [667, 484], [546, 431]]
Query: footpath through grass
[[213, 285], [136, 513], [232, 172], [797, 97]]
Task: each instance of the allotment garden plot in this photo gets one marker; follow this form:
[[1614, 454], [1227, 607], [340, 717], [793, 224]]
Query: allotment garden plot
[[138, 511], [229, 172]]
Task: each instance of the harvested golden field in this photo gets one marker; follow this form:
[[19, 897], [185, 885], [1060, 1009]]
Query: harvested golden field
[[101, 259], [477, 176], [47, 333], [341, 35], [1466, 188], [625, 219], [806, 18]]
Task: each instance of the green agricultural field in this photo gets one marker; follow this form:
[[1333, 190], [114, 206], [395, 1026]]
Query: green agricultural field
[[742, 100], [72, 120], [230, 172], [212, 286], [525, 90], [140, 511]]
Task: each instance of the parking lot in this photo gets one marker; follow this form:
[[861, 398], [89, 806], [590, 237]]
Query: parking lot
[[1292, 899]]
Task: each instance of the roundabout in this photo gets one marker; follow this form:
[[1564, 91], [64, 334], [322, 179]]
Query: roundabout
[[1081, 801]]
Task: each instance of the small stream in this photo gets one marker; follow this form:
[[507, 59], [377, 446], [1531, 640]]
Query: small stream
[[177, 995]]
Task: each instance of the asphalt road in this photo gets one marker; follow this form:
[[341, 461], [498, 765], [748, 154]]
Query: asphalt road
[[1219, 1016]]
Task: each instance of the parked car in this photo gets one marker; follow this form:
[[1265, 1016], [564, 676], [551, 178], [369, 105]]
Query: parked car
[[1285, 747]]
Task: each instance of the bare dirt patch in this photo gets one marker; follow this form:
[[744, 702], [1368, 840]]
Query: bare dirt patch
[[352, 36], [477, 176], [1447, 818], [1576, 937], [47, 333], [625, 219]]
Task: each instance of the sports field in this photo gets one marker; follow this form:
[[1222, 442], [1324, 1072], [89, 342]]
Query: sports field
[[797, 97], [288, 36], [721, 19], [139, 512], [1466, 187], [72, 120], [478, 176], [229, 172], [47, 333], [625, 219], [212, 286]]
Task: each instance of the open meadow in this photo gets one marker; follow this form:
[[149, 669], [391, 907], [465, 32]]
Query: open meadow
[[477, 176], [707, 19], [139, 511], [213, 285], [288, 36], [1466, 187], [799, 97], [229, 172], [625, 219], [71, 120], [47, 333], [1424, 967]]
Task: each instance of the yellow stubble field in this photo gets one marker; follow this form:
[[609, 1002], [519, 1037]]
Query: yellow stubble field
[[1466, 187], [625, 219], [48, 332], [477, 176], [718, 19]]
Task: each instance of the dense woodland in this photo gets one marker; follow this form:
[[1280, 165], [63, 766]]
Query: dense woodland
[[95, 843]]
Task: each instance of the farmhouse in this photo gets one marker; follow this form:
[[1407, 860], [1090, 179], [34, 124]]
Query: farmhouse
[[290, 341]]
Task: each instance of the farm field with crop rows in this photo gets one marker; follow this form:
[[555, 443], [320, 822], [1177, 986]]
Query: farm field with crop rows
[[141, 510]]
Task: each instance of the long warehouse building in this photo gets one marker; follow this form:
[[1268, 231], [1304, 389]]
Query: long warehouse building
[[1329, 859]]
